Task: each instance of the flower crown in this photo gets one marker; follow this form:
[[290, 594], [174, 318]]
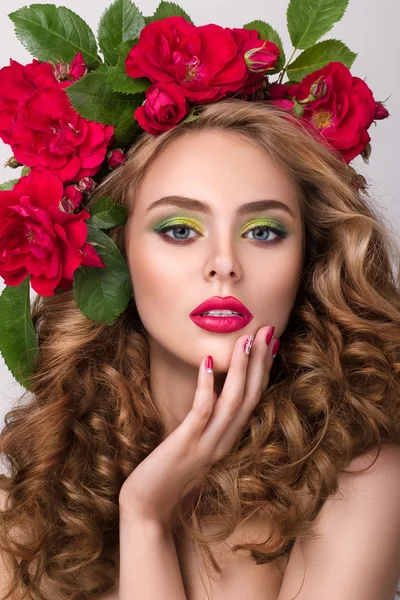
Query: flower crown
[[70, 116]]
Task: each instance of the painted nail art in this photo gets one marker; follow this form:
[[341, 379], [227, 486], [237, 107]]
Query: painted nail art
[[209, 364], [248, 344]]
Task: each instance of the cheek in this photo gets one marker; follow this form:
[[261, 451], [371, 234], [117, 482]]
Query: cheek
[[156, 279], [278, 285]]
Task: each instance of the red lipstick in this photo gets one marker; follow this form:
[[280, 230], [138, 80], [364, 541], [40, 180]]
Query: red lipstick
[[220, 323]]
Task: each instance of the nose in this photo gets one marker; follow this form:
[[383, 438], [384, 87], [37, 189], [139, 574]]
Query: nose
[[222, 261]]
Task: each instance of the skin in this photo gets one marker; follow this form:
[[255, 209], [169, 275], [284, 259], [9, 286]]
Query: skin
[[171, 277]]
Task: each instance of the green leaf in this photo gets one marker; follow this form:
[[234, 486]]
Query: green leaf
[[52, 33], [122, 83], [92, 97], [103, 293], [192, 115], [8, 185], [118, 78], [266, 32], [25, 171], [102, 69], [18, 343], [319, 56], [105, 213], [298, 109], [168, 9], [120, 22], [309, 20], [126, 131]]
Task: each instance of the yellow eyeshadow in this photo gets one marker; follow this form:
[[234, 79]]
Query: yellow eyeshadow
[[263, 223], [178, 221]]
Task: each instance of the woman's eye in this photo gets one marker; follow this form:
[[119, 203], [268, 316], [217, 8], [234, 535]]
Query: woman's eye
[[262, 233], [179, 229]]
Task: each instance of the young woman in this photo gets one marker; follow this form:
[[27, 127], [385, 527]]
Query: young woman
[[147, 470]]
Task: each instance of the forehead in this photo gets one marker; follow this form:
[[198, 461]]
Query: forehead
[[215, 166]]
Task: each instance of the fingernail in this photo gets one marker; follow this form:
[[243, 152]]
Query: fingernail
[[248, 343], [270, 334], [275, 348], [209, 364]]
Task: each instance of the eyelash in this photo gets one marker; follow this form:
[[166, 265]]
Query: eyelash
[[162, 232]]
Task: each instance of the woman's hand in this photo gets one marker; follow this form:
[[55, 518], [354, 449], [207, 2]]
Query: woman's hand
[[207, 433]]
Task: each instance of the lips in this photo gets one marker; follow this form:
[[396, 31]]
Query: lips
[[221, 324], [221, 303]]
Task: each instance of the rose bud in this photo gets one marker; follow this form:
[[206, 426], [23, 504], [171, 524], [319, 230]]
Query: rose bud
[[77, 68], [86, 185], [260, 59], [366, 153], [12, 162], [318, 89], [358, 180], [72, 194], [60, 71], [380, 112], [66, 206], [90, 258], [115, 158], [361, 182]]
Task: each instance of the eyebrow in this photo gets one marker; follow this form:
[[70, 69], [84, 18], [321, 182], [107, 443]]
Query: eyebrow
[[198, 205]]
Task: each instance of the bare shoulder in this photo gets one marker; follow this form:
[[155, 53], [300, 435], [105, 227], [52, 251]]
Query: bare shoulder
[[368, 473], [357, 549], [389, 457]]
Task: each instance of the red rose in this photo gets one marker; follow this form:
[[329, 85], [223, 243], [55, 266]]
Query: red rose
[[39, 238], [344, 113], [204, 61], [164, 107], [17, 83], [44, 131], [259, 56]]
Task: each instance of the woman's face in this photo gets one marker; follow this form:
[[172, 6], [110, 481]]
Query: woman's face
[[216, 247]]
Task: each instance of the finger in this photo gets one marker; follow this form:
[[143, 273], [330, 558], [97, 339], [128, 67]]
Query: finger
[[203, 402], [257, 379], [259, 367], [232, 393]]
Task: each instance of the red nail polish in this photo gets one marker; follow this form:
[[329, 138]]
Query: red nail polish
[[209, 364], [275, 348], [270, 335]]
